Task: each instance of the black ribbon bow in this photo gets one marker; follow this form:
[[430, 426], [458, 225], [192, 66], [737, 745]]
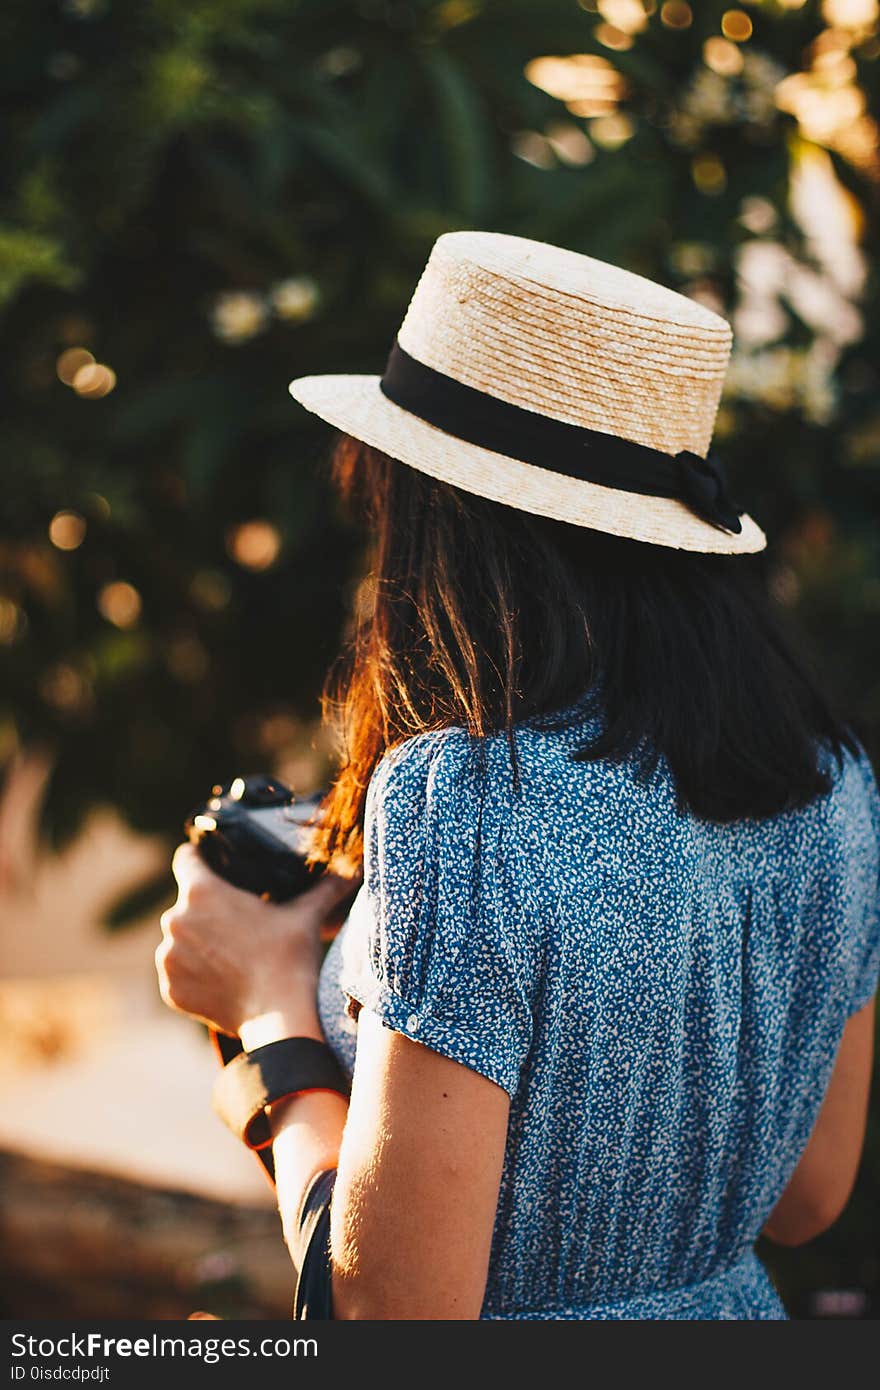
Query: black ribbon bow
[[703, 486]]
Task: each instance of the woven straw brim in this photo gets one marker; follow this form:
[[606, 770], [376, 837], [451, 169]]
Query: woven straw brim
[[357, 406]]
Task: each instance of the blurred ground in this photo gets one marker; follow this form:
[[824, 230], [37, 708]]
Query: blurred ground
[[78, 1244], [105, 1118]]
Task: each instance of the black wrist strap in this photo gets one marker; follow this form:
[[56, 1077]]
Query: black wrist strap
[[253, 1080]]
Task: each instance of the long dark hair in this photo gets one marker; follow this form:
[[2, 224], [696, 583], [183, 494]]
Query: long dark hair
[[479, 615]]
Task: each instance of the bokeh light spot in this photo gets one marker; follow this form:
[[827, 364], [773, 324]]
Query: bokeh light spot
[[67, 530], [93, 381], [455, 12], [12, 621], [822, 109], [70, 361], [613, 38], [723, 57], [569, 143], [736, 25], [629, 16], [120, 603], [675, 14], [211, 590], [758, 215], [709, 174], [850, 14], [238, 316], [63, 687], [612, 131], [254, 544], [295, 300], [586, 82], [533, 147], [837, 65]]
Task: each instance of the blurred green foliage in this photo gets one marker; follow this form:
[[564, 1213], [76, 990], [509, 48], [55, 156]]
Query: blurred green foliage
[[209, 198]]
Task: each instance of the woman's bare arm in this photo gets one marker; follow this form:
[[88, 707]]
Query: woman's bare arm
[[418, 1182], [417, 1187], [820, 1186]]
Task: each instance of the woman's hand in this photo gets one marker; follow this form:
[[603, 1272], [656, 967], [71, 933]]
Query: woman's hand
[[239, 963]]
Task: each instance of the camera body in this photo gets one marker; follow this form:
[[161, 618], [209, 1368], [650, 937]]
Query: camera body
[[254, 833]]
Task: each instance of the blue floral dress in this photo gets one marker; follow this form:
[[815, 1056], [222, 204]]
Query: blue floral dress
[[660, 996]]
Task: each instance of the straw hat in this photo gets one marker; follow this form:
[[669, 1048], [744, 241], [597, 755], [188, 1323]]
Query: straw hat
[[556, 384]]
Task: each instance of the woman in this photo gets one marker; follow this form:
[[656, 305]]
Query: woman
[[610, 972]]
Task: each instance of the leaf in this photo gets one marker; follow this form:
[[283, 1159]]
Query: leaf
[[27, 256], [345, 157], [464, 130]]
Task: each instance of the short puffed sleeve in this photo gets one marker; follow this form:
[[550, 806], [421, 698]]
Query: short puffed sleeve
[[436, 957], [867, 949]]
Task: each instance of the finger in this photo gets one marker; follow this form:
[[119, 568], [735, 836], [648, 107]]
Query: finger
[[189, 868], [159, 957], [185, 861]]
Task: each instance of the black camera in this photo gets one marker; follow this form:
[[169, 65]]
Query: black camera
[[254, 833]]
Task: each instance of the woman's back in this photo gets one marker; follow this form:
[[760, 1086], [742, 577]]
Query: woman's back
[[614, 987], [661, 996]]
